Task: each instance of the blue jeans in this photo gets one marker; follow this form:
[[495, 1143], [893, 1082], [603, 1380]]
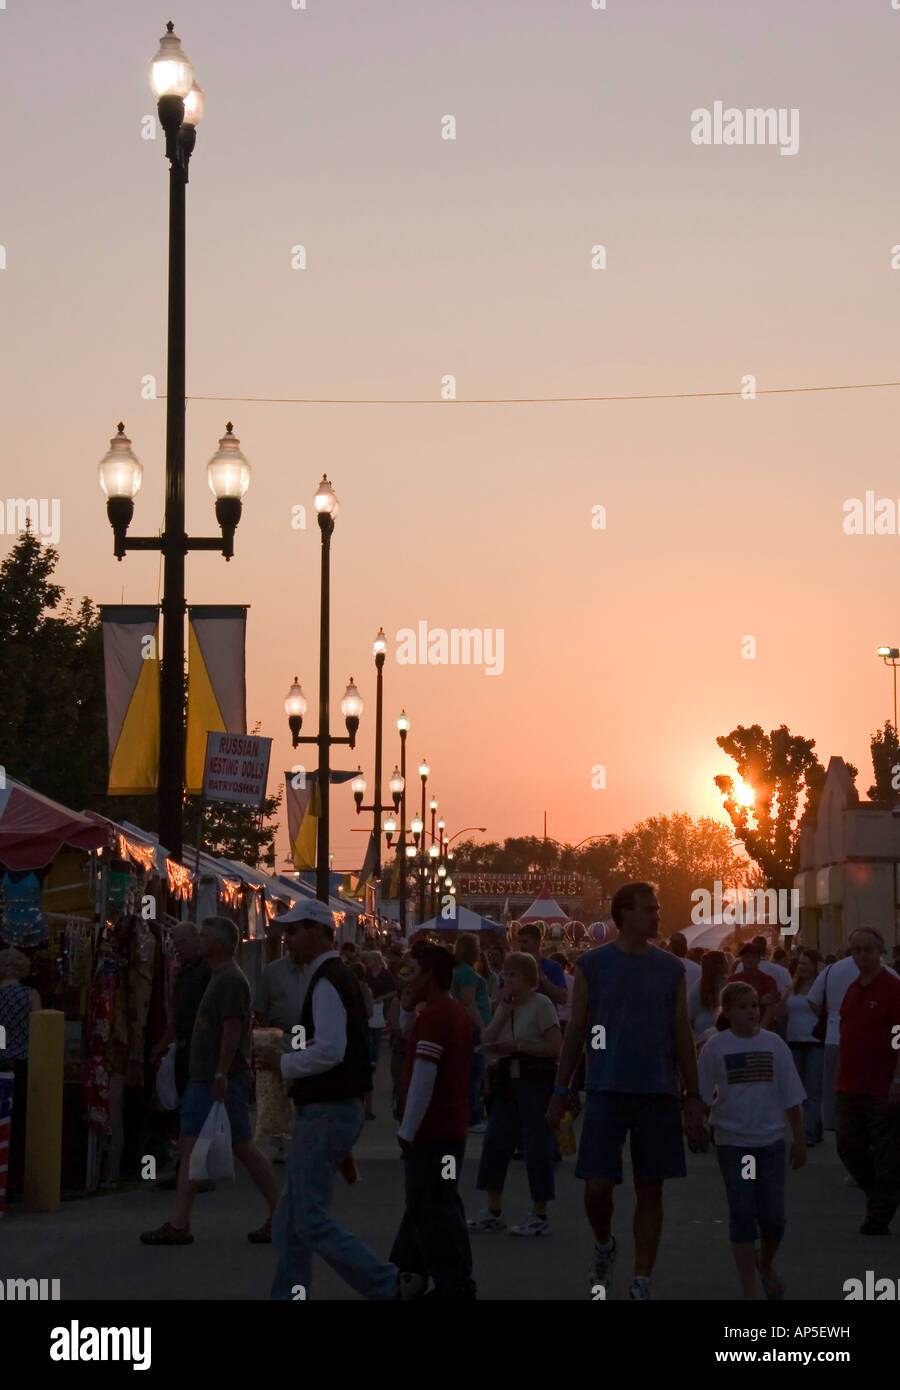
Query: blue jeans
[[433, 1238], [476, 1076], [809, 1059], [302, 1226], [754, 1201], [519, 1108]]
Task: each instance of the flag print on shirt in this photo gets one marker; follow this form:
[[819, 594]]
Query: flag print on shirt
[[749, 1066]]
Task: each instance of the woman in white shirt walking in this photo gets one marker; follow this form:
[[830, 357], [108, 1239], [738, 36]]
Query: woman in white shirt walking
[[807, 1050]]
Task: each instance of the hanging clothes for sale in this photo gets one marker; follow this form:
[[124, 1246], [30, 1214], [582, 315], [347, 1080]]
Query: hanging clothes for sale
[[22, 922], [99, 1033]]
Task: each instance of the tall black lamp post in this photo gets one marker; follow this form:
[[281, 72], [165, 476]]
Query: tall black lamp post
[[351, 704], [180, 106], [358, 784]]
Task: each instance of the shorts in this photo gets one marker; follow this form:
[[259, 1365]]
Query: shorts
[[197, 1102], [657, 1145]]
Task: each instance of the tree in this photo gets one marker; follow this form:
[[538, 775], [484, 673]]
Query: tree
[[679, 855], [235, 832], [885, 760], [777, 767]]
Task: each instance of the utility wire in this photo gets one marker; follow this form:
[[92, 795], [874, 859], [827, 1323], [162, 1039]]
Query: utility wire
[[547, 400]]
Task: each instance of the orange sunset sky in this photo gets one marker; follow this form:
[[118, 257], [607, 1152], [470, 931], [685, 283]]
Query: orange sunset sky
[[472, 257]]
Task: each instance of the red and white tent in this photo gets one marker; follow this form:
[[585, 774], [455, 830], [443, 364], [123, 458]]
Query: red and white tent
[[545, 909], [33, 828]]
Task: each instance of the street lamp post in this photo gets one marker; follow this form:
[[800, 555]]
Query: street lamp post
[[351, 705], [403, 727], [891, 657], [180, 107], [359, 788], [424, 770]]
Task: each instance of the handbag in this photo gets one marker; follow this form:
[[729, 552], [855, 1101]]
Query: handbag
[[541, 1069], [820, 1028], [166, 1090]]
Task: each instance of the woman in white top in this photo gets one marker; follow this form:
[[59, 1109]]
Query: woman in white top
[[703, 995], [523, 1041], [808, 1052]]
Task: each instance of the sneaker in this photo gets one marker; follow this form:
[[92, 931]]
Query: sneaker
[[480, 1128], [411, 1286], [534, 1226], [486, 1220], [640, 1288], [601, 1271]]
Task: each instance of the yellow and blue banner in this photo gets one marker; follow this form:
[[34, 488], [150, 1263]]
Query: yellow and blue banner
[[217, 686], [131, 664]]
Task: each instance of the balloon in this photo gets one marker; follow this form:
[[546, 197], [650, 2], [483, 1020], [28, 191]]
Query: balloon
[[602, 931]]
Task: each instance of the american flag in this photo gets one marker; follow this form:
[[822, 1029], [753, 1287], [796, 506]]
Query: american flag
[[749, 1066], [6, 1094]]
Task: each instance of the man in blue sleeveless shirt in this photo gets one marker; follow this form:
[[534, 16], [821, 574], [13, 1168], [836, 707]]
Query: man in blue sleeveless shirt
[[630, 1007]]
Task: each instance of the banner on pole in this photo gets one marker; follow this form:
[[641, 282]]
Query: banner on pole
[[217, 685], [131, 664]]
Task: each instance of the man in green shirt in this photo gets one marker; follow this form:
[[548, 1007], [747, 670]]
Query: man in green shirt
[[219, 1070]]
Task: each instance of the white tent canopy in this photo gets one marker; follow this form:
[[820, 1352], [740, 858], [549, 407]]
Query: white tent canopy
[[545, 909], [463, 920]]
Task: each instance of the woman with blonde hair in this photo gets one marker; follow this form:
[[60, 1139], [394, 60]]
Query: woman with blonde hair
[[523, 1040]]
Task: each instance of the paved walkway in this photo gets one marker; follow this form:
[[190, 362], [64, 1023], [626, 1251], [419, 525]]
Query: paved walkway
[[92, 1245]]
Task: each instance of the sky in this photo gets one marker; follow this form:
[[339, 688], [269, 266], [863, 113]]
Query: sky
[[474, 258]]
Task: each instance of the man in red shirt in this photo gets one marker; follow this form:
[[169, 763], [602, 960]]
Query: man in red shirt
[[766, 987], [868, 1081], [433, 1239]]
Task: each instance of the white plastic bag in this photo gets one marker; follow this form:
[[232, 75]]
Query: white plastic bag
[[211, 1157], [166, 1090]]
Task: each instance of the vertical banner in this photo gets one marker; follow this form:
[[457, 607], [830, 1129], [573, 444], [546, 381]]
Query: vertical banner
[[6, 1095], [217, 685], [301, 795], [304, 806], [367, 872], [131, 663]]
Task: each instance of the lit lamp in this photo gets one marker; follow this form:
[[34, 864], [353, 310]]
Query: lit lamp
[[433, 852], [416, 828], [229, 477], [351, 708], [390, 827], [120, 477], [358, 787], [396, 784], [295, 707], [890, 656]]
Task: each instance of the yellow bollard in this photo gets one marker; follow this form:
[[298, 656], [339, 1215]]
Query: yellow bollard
[[43, 1134]]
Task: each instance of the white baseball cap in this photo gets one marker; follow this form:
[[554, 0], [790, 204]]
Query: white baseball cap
[[309, 910]]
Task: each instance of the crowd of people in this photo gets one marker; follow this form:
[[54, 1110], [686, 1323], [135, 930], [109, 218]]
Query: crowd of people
[[652, 1044]]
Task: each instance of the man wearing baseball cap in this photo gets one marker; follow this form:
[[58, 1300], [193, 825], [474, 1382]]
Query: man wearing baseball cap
[[329, 1071]]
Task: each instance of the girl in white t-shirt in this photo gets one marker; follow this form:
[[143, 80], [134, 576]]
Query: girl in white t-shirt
[[749, 1078]]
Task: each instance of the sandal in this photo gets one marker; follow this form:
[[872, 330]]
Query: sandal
[[263, 1236], [773, 1288], [167, 1234]]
